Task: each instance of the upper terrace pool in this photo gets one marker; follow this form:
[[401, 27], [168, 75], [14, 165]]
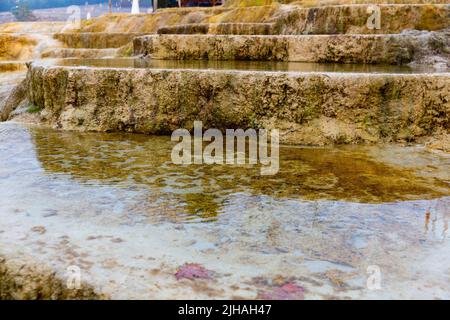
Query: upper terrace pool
[[234, 65]]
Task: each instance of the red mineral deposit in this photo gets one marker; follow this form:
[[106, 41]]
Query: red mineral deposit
[[192, 271], [288, 291]]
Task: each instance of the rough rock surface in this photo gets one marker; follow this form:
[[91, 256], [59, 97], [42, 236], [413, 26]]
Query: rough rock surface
[[95, 40], [353, 19], [439, 142], [9, 102], [346, 19], [383, 49], [308, 108], [25, 279], [218, 28], [16, 47], [10, 66], [287, 19], [80, 53]]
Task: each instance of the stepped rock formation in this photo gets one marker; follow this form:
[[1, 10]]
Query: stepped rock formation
[[312, 107], [307, 104], [374, 49]]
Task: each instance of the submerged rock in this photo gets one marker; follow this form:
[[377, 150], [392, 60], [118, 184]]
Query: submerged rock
[[192, 271], [288, 291], [39, 229]]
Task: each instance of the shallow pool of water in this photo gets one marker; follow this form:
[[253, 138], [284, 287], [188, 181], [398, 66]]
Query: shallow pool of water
[[133, 161], [322, 221], [236, 65]]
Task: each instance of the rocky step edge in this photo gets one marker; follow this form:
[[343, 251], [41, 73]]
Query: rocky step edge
[[341, 19], [414, 46], [313, 108]]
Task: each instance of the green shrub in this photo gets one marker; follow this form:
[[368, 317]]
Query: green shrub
[[33, 108]]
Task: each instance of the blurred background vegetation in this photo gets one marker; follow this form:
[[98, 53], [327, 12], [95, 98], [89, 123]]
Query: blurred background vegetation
[[9, 5]]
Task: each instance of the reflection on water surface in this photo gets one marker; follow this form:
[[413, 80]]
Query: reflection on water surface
[[350, 173], [235, 65]]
